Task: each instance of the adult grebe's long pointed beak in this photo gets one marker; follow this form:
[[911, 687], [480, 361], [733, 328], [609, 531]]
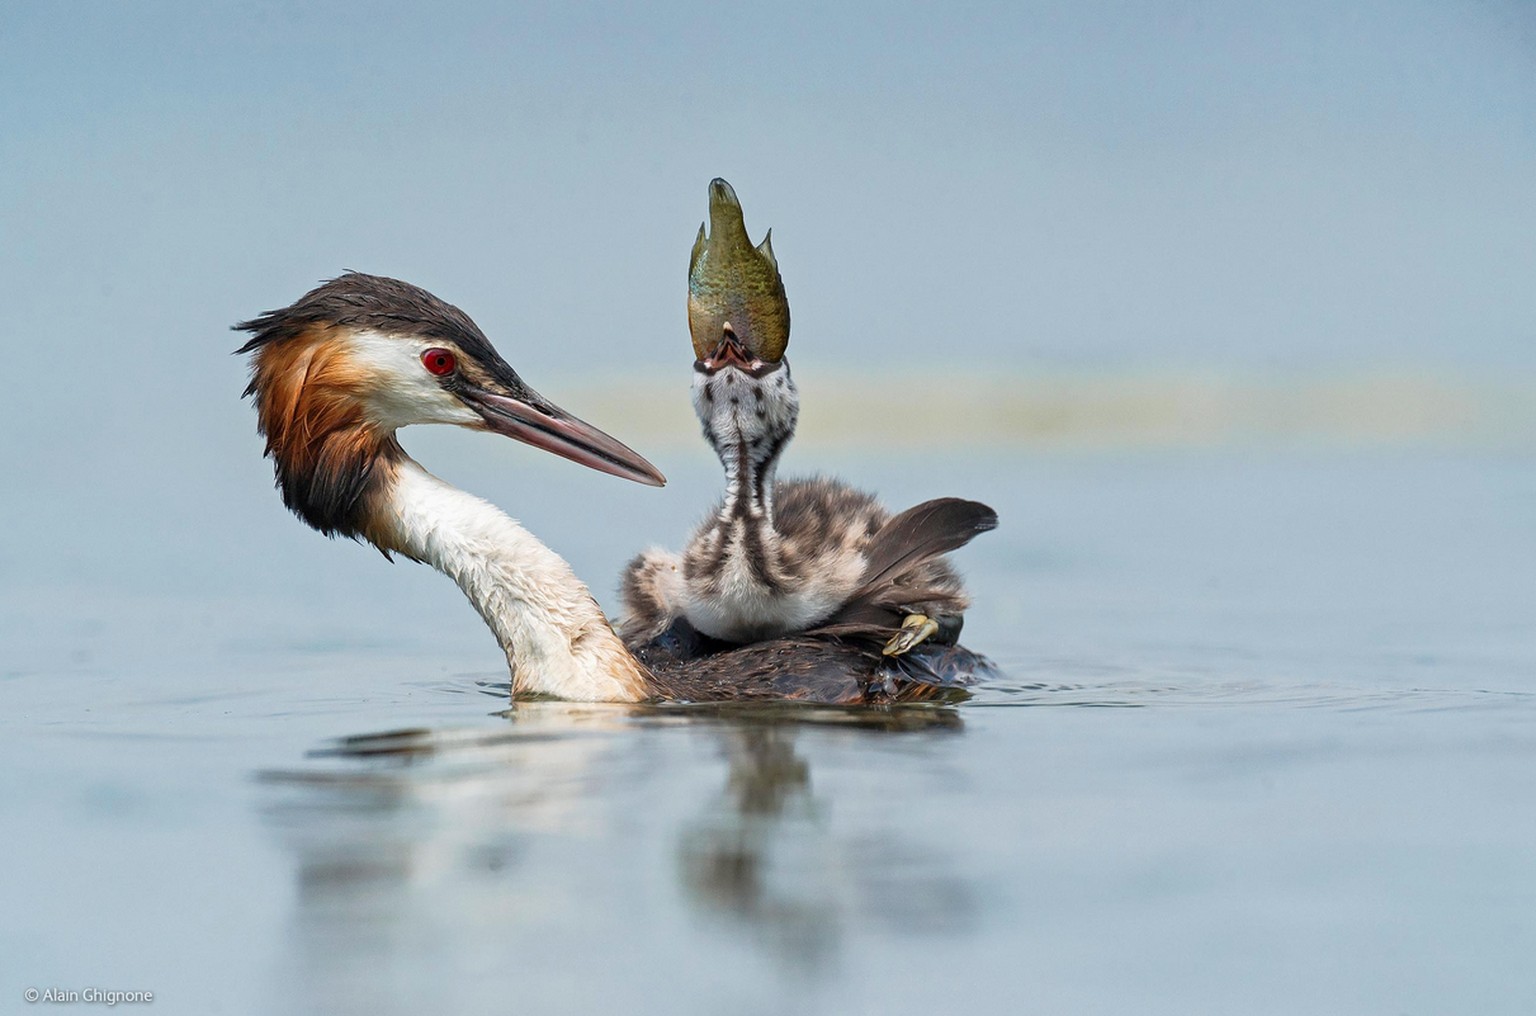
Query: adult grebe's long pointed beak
[[537, 421]]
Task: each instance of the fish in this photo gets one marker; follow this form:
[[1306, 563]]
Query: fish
[[733, 286]]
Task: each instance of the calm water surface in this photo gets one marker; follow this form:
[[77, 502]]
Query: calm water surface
[[1267, 745]]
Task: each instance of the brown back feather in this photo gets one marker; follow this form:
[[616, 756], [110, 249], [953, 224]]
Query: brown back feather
[[839, 664]]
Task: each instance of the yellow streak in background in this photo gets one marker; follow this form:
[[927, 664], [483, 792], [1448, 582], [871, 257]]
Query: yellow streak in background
[[1108, 411]]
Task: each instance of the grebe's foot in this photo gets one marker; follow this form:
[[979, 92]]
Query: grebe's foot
[[914, 629]]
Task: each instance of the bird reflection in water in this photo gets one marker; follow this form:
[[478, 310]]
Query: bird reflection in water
[[766, 859], [421, 852]]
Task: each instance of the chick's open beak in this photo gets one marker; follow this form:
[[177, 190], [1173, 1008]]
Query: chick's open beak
[[732, 352]]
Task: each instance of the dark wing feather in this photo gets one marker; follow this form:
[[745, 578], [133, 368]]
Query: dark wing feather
[[919, 534], [906, 542]]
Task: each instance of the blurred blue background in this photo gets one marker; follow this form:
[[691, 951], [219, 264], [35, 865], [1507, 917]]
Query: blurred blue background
[[1288, 185], [1228, 308]]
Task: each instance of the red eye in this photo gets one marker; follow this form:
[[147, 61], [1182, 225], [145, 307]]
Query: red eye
[[439, 361]]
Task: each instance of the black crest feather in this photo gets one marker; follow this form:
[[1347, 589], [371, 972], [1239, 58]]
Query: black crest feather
[[373, 302]]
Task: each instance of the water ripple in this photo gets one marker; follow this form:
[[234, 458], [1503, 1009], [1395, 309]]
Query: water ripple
[[1132, 694]]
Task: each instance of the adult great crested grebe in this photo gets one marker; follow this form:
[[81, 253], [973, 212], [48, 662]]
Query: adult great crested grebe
[[772, 559], [335, 374]]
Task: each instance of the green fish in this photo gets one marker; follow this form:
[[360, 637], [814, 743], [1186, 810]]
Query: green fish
[[734, 287]]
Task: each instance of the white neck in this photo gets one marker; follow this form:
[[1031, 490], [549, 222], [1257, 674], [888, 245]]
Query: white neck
[[748, 420], [555, 636]]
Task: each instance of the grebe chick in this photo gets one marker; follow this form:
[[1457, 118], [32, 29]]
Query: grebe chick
[[336, 374], [776, 558]]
